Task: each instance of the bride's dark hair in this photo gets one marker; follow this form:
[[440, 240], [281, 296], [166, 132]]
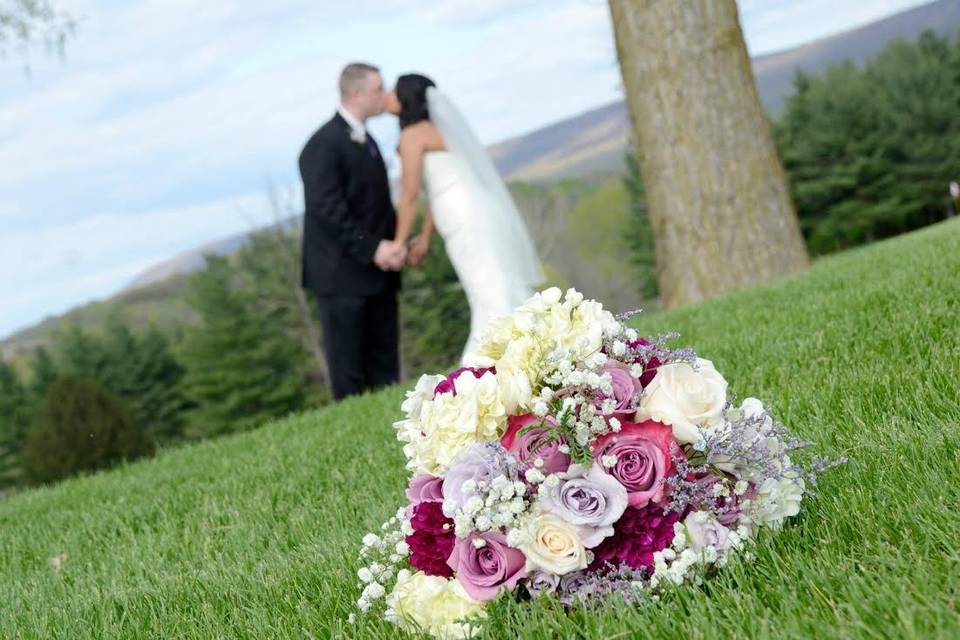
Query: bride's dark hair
[[412, 94]]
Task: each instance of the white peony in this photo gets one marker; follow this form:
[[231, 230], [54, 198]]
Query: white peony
[[551, 544], [686, 398], [439, 428], [434, 605]]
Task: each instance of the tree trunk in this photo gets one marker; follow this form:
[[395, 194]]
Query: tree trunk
[[719, 202]]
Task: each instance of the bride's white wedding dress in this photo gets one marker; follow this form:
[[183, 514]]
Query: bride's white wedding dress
[[483, 233], [462, 212]]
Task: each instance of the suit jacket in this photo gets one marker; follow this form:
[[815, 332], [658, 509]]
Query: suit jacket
[[347, 213]]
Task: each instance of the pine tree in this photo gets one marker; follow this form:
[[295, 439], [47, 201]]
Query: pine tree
[[15, 409], [143, 371], [43, 373], [870, 150], [80, 426], [434, 314], [241, 365]]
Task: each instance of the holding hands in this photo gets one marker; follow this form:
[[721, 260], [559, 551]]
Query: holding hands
[[418, 249], [390, 255]]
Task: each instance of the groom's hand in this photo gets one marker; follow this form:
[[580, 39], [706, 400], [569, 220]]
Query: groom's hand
[[390, 256]]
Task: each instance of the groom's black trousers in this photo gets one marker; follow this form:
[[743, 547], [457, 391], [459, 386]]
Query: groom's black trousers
[[360, 337]]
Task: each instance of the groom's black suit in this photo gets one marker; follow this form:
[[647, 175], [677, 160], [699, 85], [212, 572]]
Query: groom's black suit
[[347, 213]]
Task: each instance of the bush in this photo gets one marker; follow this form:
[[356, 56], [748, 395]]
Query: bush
[[80, 426]]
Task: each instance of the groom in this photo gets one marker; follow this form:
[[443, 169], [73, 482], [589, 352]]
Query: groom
[[350, 261]]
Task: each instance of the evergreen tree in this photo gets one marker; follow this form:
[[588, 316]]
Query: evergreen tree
[[80, 426], [15, 408], [241, 365], [434, 314], [870, 150], [143, 371], [43, 373]]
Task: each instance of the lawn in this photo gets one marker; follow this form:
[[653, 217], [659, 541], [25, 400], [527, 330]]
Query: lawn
[[255, 536]]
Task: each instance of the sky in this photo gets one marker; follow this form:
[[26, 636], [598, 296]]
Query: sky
[[167, 122]]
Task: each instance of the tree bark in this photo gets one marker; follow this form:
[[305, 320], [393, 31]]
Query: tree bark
[[719, 201]]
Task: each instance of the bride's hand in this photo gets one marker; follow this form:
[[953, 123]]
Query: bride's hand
[[417, 251]]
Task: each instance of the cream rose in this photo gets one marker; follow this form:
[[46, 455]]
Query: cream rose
[[433, 604], [553, 545], [685, 398]]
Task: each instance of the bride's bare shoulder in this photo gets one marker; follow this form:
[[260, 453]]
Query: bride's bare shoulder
[[423, 136]]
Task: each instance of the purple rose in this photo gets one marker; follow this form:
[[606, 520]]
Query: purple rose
[[542, 583], [448, 386], [590, 499], [705, 531], [480, 462], [522, 445], [425, 488], [625, 387], [644, 454], [485, 565]]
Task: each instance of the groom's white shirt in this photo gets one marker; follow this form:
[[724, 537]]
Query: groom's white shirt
[[357, 128]]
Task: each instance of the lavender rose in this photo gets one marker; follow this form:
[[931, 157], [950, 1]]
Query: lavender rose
[[522, 444], [485, 565], [542, 583], [703, 530], [625, 387], [590, 499], [480, 462], [643, 459], [425, 488]]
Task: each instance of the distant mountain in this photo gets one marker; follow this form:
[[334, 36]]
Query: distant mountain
[[596, 141], [188, 261]]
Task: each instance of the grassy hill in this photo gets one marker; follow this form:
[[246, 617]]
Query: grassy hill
[[254, 536]]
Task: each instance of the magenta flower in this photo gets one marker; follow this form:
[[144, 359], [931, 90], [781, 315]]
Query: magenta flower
[[637, 536], [447, 386], [432, 540]]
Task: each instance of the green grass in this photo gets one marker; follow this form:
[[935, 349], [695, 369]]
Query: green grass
[[255, 536]]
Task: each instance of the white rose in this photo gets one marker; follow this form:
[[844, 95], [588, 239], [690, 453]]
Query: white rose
[[685, 398], [553, 545]]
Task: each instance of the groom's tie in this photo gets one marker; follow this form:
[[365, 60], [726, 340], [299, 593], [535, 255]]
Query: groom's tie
[[371, 146]]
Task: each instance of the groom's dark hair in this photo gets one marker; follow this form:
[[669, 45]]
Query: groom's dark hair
[[354, 77], [412, 94]]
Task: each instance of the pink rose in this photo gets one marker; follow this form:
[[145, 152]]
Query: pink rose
[[521, 444], [486, 569], [644, 460]]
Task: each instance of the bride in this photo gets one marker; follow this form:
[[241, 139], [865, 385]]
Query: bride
[[484, 235]]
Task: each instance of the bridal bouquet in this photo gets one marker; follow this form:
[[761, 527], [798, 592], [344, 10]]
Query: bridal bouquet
[[576, 460]]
